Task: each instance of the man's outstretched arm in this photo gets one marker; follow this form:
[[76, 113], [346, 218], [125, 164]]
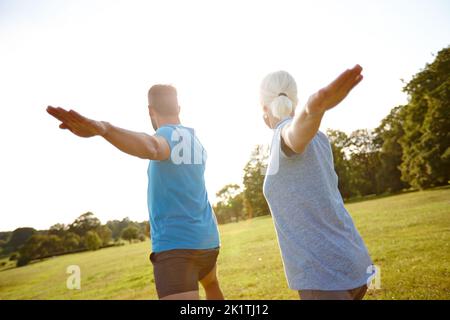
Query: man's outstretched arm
[[136, 144], [306, 121]]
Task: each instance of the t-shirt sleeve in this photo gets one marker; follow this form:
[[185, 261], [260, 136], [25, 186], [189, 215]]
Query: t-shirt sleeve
[[280, 141], [295, 155], [167, 133]]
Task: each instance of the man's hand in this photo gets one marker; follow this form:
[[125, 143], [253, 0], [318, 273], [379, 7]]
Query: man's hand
[[335, 92], [76, 123], [137, 144]]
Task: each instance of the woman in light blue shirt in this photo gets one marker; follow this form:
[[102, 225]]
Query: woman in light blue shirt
[[323, 254]]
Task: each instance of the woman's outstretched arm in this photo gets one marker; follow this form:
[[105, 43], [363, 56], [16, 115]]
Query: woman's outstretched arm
[[306, 122]]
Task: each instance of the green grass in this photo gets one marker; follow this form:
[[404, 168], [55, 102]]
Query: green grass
[[408, 237]]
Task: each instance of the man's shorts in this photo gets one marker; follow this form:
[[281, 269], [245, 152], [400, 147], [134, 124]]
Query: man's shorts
[[180, 270]]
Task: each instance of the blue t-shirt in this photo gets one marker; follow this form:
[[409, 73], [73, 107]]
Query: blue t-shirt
[[181, 216]]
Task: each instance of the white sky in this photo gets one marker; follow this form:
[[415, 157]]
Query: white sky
[[100, 58]]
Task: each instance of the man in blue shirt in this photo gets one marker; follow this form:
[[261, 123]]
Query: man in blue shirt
[[185, 238]]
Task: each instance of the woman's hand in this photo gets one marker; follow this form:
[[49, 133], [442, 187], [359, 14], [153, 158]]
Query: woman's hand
[[298, 134], [330, 96]]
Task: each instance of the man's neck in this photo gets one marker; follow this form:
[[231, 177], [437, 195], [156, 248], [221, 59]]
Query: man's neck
[[168, 121]]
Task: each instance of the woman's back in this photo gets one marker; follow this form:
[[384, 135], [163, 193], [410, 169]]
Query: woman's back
[[320, 246]]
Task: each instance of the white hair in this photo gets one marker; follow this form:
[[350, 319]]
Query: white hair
[[278, 92]]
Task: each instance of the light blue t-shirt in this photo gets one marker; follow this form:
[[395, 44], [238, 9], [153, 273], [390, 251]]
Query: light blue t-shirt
[[181, 216], [320, 246]]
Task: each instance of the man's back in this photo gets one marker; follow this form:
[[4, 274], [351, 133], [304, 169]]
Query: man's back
[[184, 229], [181, 216]]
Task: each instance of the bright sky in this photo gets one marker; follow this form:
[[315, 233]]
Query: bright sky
[[100, 58]]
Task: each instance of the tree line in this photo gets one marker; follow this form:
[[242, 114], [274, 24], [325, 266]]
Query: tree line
[[410, 149], [85, 233]]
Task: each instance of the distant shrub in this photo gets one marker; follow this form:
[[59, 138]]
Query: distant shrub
[[130, 233], [13, 256], [93, 241], [22, 261]]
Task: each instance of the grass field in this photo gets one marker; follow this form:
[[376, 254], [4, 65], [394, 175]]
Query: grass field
[[408, 237]]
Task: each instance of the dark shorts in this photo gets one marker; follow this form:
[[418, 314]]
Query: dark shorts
[[180, 270]]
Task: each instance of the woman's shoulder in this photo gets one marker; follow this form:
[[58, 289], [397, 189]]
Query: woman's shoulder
[[322, 136]]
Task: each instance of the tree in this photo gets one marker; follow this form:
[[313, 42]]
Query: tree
[[2, 244], [22, 261], [32, 249], [426, 142], [363, 162], [253, 182], [5, 236], [18, 238], [117, 226], [230, 205], [339, 141], [387, 138], [52, 244], [92, 240], [71, 241], [84, 223], [130, 233], [105, 234], [435, 141], [58, 229], [14, 256]]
